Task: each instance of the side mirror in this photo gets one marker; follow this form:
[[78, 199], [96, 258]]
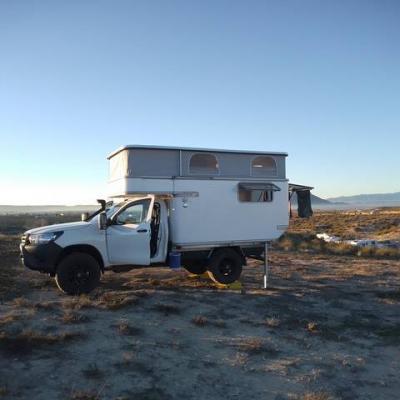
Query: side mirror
[[102, 221], [84, 216]]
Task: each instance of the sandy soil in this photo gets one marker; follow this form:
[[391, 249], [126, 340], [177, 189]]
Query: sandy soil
[[328, 328]]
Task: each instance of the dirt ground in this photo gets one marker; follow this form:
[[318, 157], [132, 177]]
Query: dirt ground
[[328, 327]]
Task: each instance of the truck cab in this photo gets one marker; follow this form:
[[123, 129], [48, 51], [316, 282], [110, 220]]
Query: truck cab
[[132, 232]]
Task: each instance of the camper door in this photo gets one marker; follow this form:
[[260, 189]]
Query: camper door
[[128, 236]]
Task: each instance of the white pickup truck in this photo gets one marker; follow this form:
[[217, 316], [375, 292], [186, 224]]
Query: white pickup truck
[[211, 207]]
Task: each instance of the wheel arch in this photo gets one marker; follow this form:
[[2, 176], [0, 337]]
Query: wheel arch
[[237, 249], [82, 248]]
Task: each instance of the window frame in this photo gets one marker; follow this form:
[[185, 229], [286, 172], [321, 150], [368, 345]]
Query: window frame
[[217, 172], [274, 174], [271, 196], [114, 219]]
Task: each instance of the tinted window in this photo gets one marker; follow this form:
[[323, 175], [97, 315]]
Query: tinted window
[[255, 196], [203, 164], [263, 166]]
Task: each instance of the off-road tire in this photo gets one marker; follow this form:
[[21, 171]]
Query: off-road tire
[[225, 266], [78, 273]]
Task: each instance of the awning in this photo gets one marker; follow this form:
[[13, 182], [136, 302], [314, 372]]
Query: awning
[[298, 188], [258, 186]]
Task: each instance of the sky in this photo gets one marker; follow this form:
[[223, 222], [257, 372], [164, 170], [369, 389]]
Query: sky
[[78, 79]]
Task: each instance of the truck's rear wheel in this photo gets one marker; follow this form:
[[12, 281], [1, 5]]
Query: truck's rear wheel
[[225, 266], [195, 268], [78, 273]]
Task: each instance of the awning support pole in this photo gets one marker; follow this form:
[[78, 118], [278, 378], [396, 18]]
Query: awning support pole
[[266, 266]]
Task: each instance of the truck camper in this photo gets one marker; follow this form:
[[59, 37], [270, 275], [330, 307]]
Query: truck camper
[[209, 209]]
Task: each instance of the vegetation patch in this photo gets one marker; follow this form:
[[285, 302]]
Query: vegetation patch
[[78, 302], [316, 396], [252, 345], [199, 320], [25, 342], [4, 391], [309, 243], [9, 318], [70, 317], [167, 309], [392, 295], [390, 334], [124, 328], [272, 322], [116, 300], [92, 371], [84, 395]]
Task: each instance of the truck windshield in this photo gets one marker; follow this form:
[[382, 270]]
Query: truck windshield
[[111, 208]]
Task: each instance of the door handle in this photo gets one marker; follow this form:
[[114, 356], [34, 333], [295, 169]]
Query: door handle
[[142, 230]]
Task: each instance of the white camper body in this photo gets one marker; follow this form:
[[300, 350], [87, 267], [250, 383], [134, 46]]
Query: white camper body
[[214, 197]]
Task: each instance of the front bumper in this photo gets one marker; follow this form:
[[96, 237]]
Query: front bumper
[[41, 258]]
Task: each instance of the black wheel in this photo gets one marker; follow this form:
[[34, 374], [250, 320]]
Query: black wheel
[[195, 268], [78, 273], [225, 266]]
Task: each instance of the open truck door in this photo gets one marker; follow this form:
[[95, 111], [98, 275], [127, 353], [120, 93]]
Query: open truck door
[[129, 233]]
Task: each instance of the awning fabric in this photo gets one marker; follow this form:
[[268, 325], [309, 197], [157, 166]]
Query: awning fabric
[[304, 209], [298, 188], [258, 186]]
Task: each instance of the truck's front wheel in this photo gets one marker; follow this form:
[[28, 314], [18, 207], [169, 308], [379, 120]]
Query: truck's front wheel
[[225, 266], [78, 273]]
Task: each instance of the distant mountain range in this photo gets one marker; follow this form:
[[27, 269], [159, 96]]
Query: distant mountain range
[[357, 201], [9, 209], [315, 200], [376, 198]]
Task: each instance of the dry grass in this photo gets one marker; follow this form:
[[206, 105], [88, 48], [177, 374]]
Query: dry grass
[[26, 341], [111, 300], [383, 224], [9, 262], [21, 302], [352, 224], [9, 318], [167, 309], [272, 322], [4, 391], [116, 300], [312, 327], [45, 305], [239, 360], [70, 317], [252, 345], [124, 328], [92, 371], [84, 395], [127, 358], [78, 302], [316, 396], [199, 320]]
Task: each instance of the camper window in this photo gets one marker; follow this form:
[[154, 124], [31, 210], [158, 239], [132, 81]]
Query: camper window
[[263, 166], [255, 196], [203, 164]]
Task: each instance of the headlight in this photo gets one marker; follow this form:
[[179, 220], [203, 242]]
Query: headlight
[[43, 238]]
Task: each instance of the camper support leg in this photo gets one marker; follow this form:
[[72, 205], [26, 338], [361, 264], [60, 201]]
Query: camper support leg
[[266, 266]]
